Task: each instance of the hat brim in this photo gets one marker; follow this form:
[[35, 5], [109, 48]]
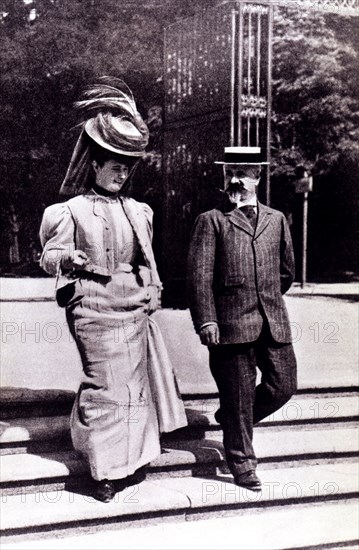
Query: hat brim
[[242, 163], [91, 130]]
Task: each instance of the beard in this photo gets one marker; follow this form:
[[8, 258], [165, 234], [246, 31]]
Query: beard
[[242, 190]]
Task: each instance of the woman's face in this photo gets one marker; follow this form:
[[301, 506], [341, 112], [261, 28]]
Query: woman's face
[[111, 175]]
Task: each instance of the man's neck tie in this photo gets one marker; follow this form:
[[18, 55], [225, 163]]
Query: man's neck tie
[[250, 213]]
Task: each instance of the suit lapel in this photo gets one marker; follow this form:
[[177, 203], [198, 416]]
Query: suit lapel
[[240, 220], [263, 219]]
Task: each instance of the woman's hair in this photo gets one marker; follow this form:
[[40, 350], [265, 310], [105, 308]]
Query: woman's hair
[[101, 155]]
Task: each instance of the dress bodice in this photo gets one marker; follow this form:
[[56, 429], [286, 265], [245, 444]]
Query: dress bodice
[[122, 243]]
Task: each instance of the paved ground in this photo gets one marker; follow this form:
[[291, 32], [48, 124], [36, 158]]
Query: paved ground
[[38, 351]]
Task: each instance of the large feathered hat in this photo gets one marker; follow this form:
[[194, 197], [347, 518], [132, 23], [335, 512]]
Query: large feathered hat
[[112, 122]]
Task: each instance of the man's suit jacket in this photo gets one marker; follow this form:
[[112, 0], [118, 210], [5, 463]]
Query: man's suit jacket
[[237, 275]]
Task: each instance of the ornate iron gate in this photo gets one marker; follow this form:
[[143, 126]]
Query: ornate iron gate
[[218, 93]]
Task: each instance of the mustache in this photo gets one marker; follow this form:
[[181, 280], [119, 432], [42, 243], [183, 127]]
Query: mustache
[[235, 187]]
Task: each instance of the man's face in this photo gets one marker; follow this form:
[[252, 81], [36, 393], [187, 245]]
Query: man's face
[[240, 181], [111, 175]]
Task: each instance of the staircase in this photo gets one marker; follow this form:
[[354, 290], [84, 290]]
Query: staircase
[[307, 455]]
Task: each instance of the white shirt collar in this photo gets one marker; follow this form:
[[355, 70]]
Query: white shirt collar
[[250, 202]]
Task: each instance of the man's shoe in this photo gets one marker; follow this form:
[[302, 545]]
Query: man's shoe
[[248, 480], [218, 416], [104, 490]]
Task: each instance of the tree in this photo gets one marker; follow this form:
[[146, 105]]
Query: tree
[[316, 102], [315, 124]]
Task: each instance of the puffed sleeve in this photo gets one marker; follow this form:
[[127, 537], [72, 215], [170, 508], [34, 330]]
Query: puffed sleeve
[[148, 212], [57, 236]]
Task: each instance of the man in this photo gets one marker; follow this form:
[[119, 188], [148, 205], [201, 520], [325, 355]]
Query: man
[[240, 263]]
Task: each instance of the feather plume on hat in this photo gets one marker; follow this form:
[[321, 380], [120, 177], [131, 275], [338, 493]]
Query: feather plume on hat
[[112, 122]]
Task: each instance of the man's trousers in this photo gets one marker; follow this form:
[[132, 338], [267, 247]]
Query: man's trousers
[[242, 404]]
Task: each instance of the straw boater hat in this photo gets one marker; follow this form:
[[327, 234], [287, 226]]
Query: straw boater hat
[[243, 155], [112, 123]]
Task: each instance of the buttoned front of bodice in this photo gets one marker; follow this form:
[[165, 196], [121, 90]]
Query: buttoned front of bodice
[[119, 244]]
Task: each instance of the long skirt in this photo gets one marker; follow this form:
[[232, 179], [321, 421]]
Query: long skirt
[[114, 421]]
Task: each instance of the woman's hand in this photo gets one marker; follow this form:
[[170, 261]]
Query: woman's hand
[[155, 294], [77, 260]]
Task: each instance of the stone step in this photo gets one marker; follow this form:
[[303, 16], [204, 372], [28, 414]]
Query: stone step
[[23, 431], [27, 402], [306, 404], [185, 498], [303, 407], [26, 472], [313, 526], [19, 434]]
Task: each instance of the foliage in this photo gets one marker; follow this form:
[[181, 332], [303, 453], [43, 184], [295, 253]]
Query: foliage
[[316, 102]]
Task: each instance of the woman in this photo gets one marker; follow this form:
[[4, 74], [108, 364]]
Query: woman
[[98, 244]]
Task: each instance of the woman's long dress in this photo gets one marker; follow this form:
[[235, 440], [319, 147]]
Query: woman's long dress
[[114, 423]]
